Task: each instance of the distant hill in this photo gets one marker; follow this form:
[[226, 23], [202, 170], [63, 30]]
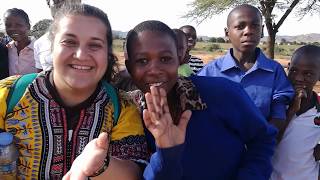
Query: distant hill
[[307, 38]]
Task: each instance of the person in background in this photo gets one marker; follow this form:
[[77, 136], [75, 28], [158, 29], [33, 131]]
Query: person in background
[[262, 78], [194, 131], [67, 107], [297, 155], [184, 68], [20, 49], [42, 46], [195, 62], [4, 67]]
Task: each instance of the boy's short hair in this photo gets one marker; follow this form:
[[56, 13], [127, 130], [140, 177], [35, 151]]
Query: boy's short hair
[[237, 8], [307, 50]]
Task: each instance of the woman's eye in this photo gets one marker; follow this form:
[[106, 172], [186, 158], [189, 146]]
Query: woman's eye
[[165, 59], [142, 61], [69, 43], [95, 46]]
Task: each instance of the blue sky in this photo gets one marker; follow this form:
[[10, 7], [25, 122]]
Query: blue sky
[[125, 14]]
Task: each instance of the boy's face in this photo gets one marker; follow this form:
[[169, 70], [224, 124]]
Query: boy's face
[[182, 48], [304, 72], [191, 37], [244, 30], [153, 60]]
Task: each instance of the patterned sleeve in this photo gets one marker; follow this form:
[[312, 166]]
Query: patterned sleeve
[[127, 137], [5, 86]]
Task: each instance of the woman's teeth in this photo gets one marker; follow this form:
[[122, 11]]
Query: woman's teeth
[[81, 67]]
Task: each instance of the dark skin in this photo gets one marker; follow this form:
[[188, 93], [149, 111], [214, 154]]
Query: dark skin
[[303, 74], [153, 64], [17, 28], [244, 31]]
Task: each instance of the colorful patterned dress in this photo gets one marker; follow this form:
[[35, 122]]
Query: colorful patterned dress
[[48, 143]]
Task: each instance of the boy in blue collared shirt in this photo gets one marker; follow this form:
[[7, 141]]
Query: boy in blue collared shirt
[[263, 79]]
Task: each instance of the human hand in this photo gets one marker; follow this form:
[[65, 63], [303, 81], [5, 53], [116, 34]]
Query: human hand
[[300, 93], [316, 152], [158, 120], [90, 160]]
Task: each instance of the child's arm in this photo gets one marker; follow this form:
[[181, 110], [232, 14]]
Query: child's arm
[[316, 152], [293, 109]]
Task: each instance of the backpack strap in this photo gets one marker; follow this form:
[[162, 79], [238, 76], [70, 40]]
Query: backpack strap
[[114, 99], [18, 89]]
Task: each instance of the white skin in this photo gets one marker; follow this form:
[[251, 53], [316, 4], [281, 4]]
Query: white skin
[[80, 62]]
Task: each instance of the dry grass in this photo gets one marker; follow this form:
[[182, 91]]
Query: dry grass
[[205, 56]]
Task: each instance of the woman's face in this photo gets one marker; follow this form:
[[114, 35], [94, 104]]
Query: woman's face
[[80, 53], [16, 27], [153, 60]]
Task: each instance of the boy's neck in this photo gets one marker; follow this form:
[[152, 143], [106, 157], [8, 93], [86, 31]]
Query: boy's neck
[[245, 60]]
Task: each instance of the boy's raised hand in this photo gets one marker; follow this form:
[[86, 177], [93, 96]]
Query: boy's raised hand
[[158, 120], [90, 160], [300, 93]]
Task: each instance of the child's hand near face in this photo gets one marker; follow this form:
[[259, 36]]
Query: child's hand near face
[[158, 120], [300, 93]]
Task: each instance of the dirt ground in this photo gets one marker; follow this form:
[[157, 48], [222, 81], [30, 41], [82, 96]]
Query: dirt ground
[[208, 57]]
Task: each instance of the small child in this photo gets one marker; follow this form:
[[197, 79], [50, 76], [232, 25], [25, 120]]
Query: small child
[[294, 157], [195, 62], [184, 68]]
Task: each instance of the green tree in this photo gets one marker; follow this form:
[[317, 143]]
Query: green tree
[[213, 39], [220, 40], [204, 9], [40, 28]]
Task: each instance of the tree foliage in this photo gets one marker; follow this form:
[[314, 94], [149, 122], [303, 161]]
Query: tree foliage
[[204, 9], [40, 28]]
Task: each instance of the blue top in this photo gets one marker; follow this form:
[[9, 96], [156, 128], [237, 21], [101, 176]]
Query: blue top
[[230, 139], [266, 82], [5, 138]]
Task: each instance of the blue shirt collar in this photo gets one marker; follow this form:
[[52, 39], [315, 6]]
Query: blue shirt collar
[[261, 63]]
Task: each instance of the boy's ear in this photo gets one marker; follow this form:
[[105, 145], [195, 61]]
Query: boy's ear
[[226, 32], [262, 31], [127, 63]]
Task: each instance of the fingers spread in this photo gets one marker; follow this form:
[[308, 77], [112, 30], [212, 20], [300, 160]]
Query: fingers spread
[[185, 117]]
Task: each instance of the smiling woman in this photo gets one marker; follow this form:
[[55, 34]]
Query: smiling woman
[[64, 109]]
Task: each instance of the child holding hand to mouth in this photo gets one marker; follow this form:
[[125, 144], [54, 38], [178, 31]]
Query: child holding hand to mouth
[[296, 157], [20, 49]]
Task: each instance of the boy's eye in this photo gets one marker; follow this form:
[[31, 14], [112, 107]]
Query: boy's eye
[[292, 71], [309, 74], [240, 26]]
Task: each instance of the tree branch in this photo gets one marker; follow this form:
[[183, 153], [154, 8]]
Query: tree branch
[[285, 15]]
